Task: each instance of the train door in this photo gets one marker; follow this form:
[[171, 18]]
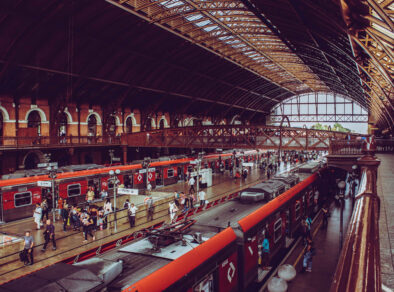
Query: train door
[[128, 180], [181, 175], [159, 177], [96, 185]]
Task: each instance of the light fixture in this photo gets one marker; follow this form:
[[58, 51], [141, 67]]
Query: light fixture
[[111, 172]]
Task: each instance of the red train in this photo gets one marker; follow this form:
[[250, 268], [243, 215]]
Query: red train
[[19, 195], [208, 256], [229, 260]]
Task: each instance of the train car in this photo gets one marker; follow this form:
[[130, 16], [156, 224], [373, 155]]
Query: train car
[[219, 252], [19, 193], [290, 180]]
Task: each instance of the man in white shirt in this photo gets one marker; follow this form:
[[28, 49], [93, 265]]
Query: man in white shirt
[[191, 185], [201, 195], [173, 209], [132, 210]]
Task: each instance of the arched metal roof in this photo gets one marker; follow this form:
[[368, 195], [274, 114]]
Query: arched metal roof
[[219, 57]]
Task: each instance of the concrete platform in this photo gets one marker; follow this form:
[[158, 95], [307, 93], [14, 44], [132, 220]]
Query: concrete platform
[[386, 220], [69, 243]]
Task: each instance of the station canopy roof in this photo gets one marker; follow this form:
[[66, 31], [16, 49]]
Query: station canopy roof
[[219, 57]]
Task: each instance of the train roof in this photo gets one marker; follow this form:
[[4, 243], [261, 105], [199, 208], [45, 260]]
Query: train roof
[[271, 186], [269, 208], [227, 214], [287, 178]]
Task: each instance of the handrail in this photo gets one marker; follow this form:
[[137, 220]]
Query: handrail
[[50, 141], [358, 267]]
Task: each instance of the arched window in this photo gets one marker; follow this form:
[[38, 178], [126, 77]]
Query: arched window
[[161, 124], [149, 124], [34, 121], [129, 125], [92, 125], [111, 126], [62, 124]]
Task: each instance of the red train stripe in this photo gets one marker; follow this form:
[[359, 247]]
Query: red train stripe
[[177, 269], [257, 216]]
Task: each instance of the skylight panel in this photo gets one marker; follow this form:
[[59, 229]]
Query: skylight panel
[[171, 4], [194, 17]]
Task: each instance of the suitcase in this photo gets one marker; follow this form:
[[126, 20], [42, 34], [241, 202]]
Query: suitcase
[[23, 256]]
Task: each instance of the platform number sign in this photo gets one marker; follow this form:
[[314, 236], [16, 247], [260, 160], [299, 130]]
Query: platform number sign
[[228, 274]]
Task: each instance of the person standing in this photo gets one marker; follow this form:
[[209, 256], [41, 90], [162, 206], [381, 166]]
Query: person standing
[[191, 183], [45, 210], [28, 248], [64, 214], [132, 211], [90, 195], [126, 204], [37, 215], [201, 196], [265, 253], [173, 210], [149, 207], [87, 227], [49, 234], [307, 261]]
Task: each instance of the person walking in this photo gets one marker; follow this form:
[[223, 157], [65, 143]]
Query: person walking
[[28, 248], [88, 224], [37, 215], [131, 213], [49, 234], [201, 196], [307, 260]]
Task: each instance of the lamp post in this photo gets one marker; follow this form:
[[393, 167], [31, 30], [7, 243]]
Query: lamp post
[[341, 187], [53, 175], [199, 160], [115, 182], [145, 165]]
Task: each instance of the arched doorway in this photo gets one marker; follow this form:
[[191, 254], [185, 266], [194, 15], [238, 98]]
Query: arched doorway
[[92, 126], [149, 124], [34, 121], [31, 161], [161, 124], [129, 125], [62, 125], [111, 126]]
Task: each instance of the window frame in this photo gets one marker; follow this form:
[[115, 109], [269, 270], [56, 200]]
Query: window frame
[[68, 190], [298, 204], [27, 192], [168, 172], [279, 220]]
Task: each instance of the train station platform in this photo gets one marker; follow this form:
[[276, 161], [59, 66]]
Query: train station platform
[[326, 241], [70, 243], [385, 186]]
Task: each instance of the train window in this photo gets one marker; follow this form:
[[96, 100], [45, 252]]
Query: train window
[[297, 210], [74, 190], [22, 199], [206, 285], [170, 172], [278, 230]]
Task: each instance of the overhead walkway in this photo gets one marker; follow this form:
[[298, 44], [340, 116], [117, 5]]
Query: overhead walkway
[[237, 136]]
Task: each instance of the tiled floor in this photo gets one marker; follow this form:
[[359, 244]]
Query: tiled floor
[[386, 222]]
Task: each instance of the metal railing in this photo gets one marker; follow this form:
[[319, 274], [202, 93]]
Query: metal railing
[[385, 145], [49, 141], [345, 147], [358, 267]]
